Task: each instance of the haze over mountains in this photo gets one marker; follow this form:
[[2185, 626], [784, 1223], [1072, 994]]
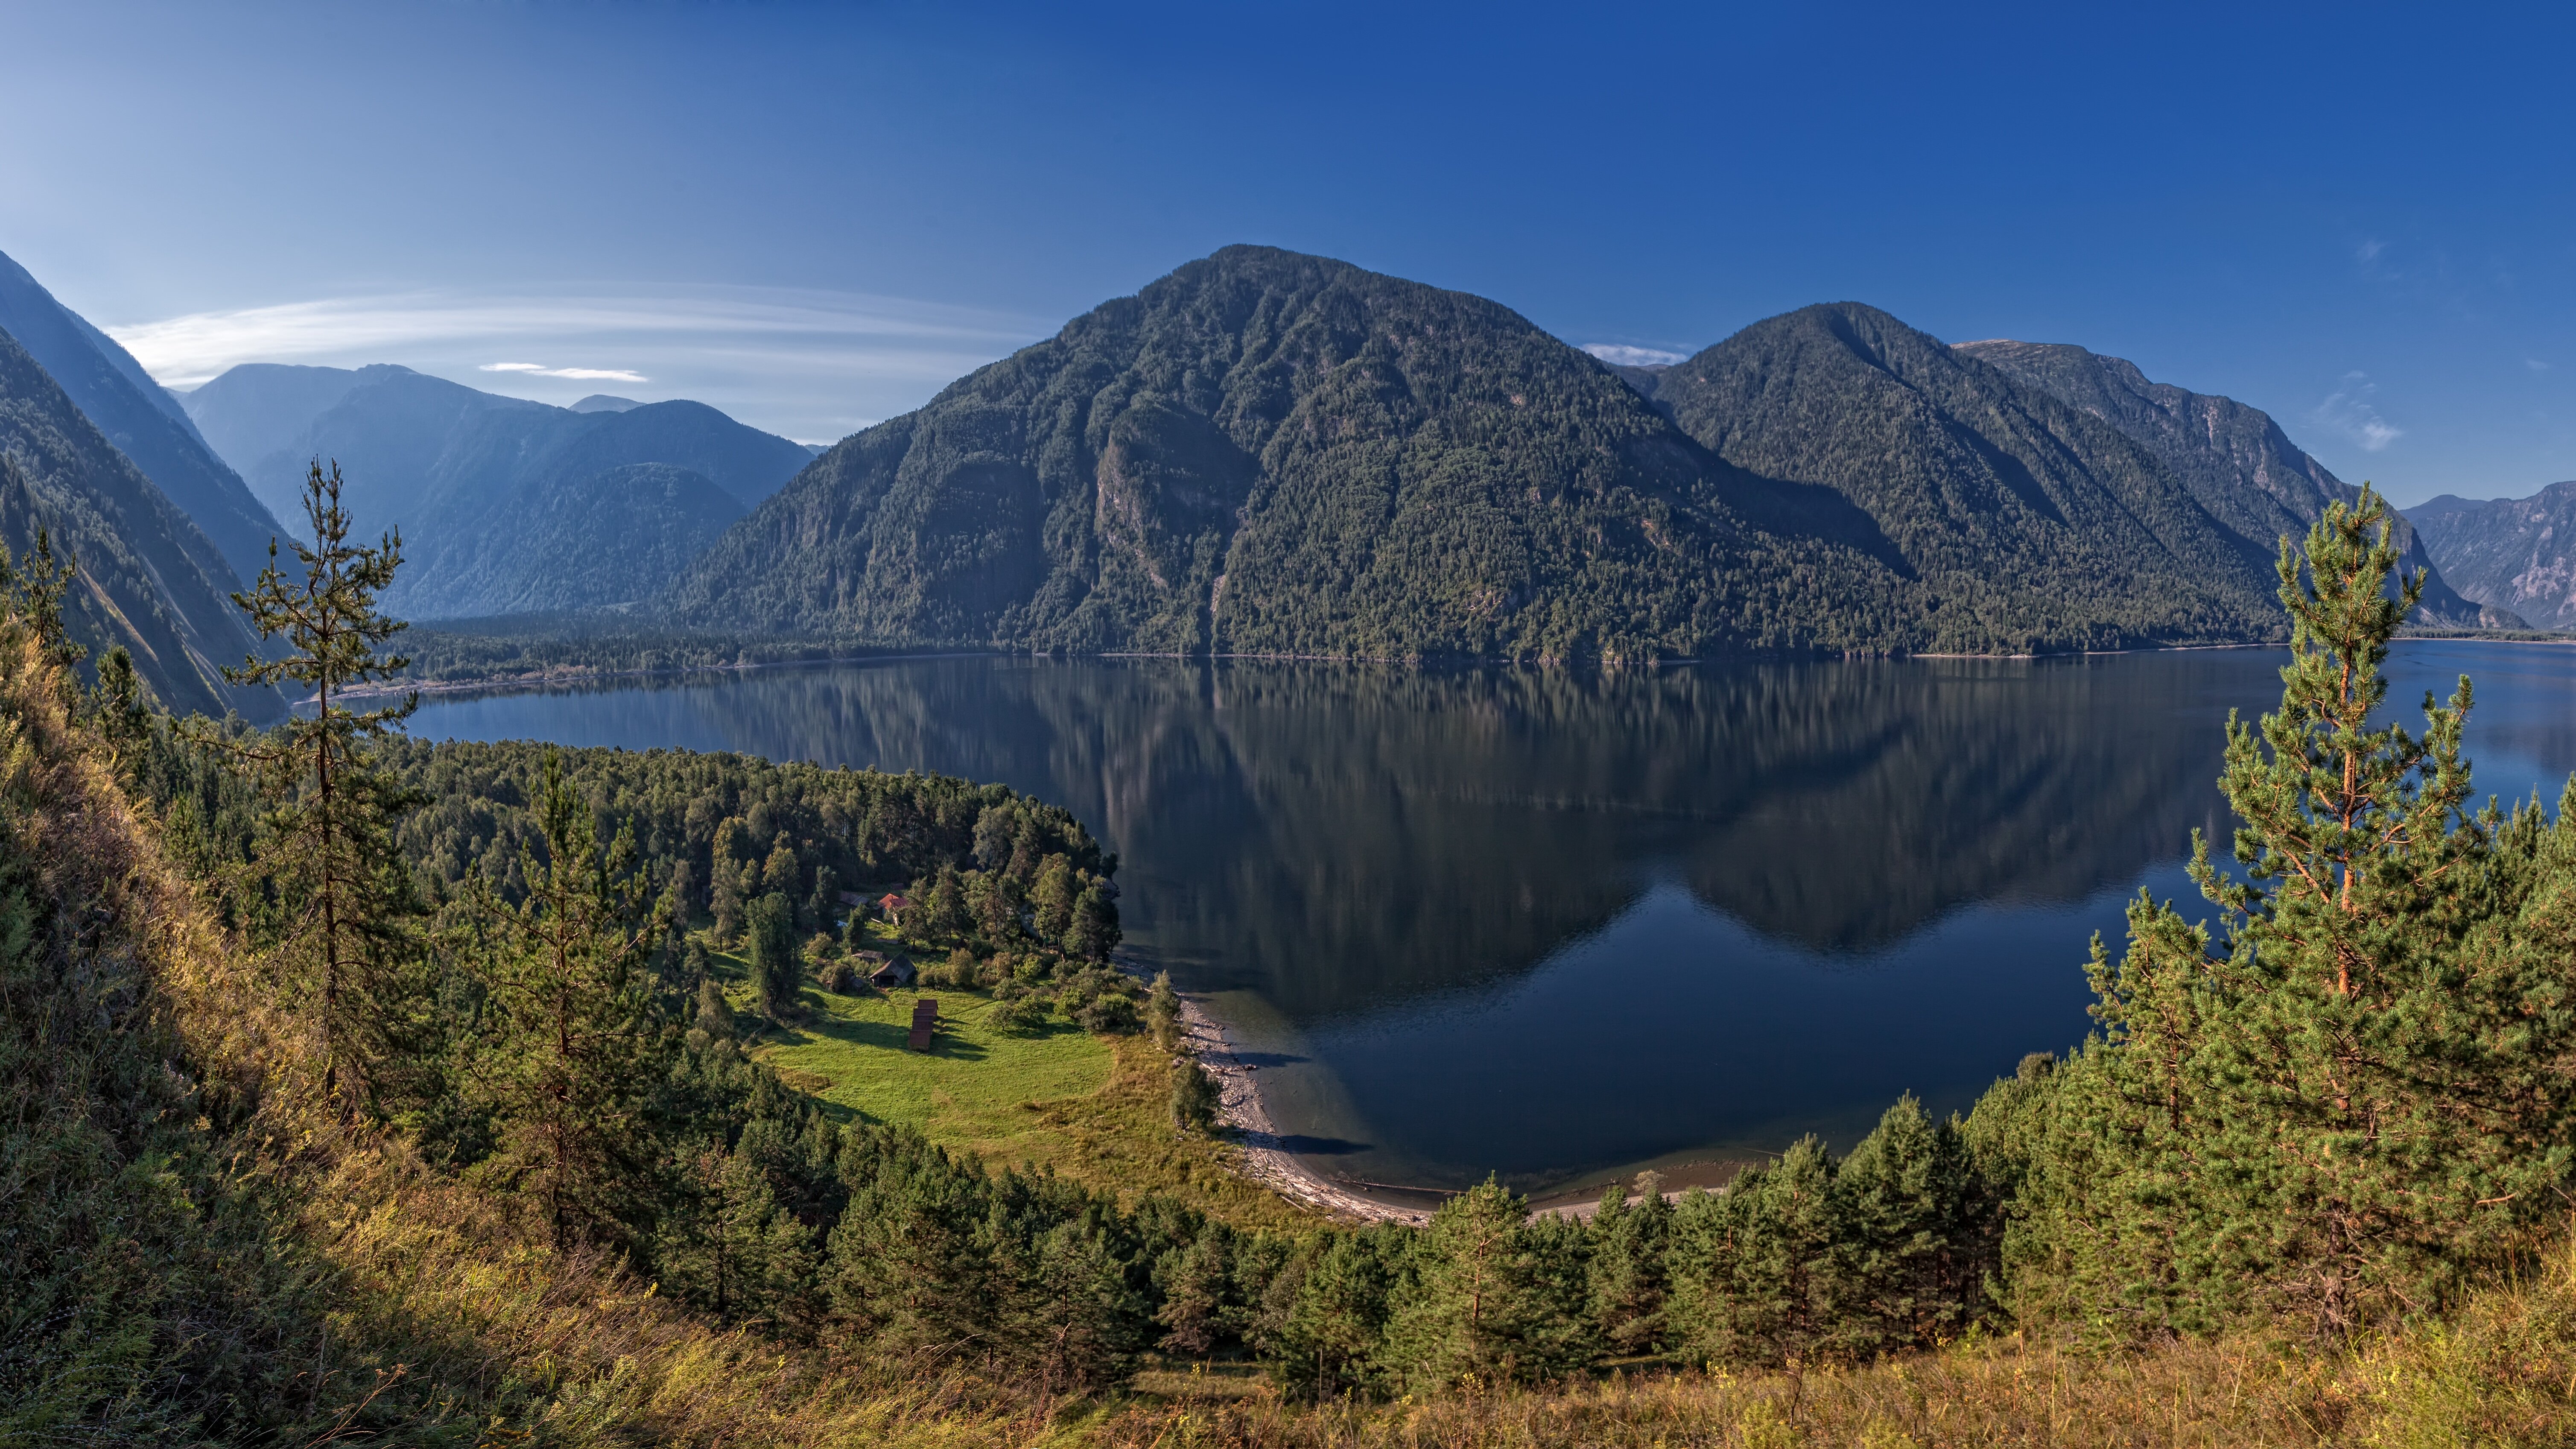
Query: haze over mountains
[[506, 505]]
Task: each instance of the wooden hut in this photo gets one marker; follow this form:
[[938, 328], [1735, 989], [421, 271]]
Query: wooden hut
[[925, 1020]]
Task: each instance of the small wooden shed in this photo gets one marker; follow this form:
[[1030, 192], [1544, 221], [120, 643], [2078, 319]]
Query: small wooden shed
[[925, 1019], [884, 971]]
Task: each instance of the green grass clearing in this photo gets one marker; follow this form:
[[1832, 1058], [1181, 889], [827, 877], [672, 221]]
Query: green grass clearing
[[967, 1090]]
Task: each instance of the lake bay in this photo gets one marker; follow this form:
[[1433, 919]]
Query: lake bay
[[1556, 925]]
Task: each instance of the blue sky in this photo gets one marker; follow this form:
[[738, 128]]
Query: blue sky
[[813, 216]]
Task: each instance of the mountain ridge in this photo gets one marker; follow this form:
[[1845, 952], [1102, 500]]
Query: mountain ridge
[[143, 564], [469, 477], [2516, 554], [2234, 458], [142, 419]]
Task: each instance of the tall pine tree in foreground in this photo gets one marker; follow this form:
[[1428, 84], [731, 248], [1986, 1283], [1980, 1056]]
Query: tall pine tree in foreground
[[572, 1046], [2362, 1097], [339, 894]]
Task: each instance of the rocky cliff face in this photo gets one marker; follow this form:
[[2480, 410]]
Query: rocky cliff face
[[2516, 554]]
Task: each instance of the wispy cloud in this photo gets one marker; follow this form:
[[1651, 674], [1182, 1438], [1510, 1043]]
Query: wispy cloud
[[810, 364], [1621, 354], [539, 369], [2369, 251], [2535, 364], [2349, 410]]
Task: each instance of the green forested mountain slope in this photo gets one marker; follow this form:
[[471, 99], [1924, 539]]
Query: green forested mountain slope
[[1280, 454], [144, 567], [140, 417], [587, 539], [2235, 460], [1272, 453], [474, 480], [2516, 554], [2026, 523]]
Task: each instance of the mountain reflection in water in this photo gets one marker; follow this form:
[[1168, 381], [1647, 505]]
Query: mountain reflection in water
[[1554, 923]]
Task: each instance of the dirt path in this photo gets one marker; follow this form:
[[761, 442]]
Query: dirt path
[[1258, 1153]]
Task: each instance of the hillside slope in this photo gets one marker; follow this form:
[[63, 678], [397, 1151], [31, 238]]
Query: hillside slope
[[2517, 554], [2234, 459], [2027, 522], [473, 478], [140, 417], [149, 579], [1280, 454]]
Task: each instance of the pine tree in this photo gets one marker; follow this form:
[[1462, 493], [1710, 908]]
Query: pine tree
[[1163, 1012], [1333, 1341], [1094, 932], [343, 893], [777, 972], [1494, 1295], [1759, 1270], [1914, 1276], [1628, 1286], [1053, 898], [731, 1249], [2348, 1109], [1195, 1098], [572, 1048], [944, 912]]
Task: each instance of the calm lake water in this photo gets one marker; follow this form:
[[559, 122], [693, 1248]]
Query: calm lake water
[[1557, 925]]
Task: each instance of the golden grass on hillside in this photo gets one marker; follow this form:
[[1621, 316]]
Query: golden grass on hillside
[[2503, 1375]]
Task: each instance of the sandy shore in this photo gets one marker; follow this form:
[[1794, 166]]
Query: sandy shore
[[1258, 1153], [1259, 1156]]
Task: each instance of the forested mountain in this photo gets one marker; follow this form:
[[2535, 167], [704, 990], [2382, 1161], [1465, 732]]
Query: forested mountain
[[584, 539], [2235, 459], [2508, 553], [148, 578], [2025, 523], [1273, 453], [480, 484], [139, 416]]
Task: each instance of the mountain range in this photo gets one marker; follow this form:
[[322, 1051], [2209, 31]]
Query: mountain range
[[2517, 554], [506, 505], [149, 578], [1261, 453], [1272, 453]]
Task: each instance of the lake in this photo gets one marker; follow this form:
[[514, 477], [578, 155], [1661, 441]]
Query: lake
[[1559, 925]]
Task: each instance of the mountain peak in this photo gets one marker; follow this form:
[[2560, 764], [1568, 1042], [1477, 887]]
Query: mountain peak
[[600, 402]]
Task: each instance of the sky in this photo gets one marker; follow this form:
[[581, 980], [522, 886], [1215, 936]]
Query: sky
[[814, 216]]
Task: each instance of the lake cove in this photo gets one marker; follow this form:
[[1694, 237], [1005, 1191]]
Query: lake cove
[[1558, 925]]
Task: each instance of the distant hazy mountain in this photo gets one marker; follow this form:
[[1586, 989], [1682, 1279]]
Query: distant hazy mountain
[[2235, 460], [600, 402], [2511, 553], [139, 416], [471, 478], [149, 578], [1274, 453], [2026, 522], [583, 540]]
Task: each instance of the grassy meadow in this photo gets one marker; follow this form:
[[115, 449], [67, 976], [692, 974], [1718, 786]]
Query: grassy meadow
[[1093, 1109]]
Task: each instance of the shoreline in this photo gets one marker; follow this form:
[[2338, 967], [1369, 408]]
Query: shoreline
[[551, 677], [1259, 1156], [1256, 1143]]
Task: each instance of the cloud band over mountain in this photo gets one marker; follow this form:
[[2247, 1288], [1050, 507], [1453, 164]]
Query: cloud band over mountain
[[808, 364]]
